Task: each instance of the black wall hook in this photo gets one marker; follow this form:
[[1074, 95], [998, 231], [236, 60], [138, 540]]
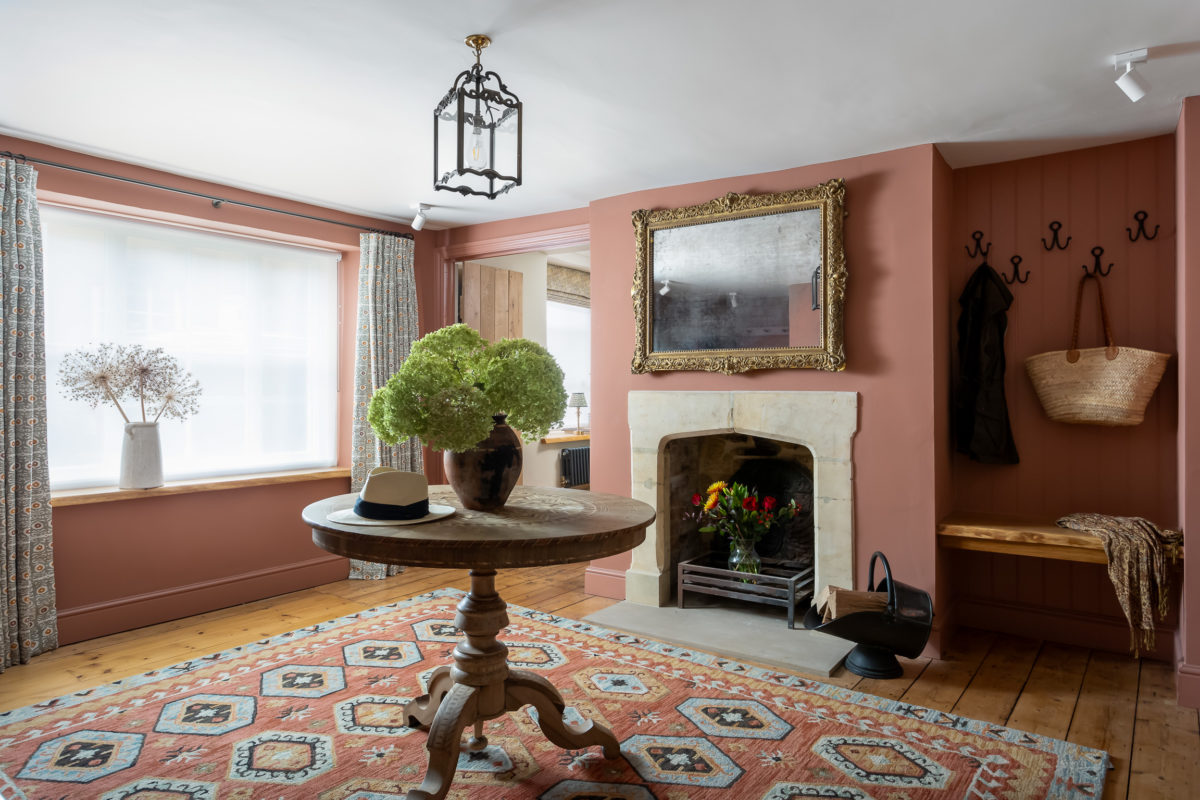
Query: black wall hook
[[1016, 272], [1141, 231], [1054, 243], [1097, 270], [980, 250]]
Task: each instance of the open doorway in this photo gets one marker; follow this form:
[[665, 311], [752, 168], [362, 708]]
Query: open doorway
[[544, 296]]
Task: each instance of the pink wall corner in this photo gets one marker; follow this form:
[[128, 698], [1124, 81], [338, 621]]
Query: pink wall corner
[[890, 341], [1187, 249], [130, 563]]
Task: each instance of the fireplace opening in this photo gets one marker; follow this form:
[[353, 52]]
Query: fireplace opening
[[783, 470]]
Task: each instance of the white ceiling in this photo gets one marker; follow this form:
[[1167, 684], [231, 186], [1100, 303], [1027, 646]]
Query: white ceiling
[[331, 102]]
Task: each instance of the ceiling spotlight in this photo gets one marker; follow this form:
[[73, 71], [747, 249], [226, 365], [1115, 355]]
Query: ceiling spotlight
[[1130, 82], [419, 220], [666, 287]]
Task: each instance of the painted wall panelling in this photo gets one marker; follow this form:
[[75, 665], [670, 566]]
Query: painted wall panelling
[[1067, 468]]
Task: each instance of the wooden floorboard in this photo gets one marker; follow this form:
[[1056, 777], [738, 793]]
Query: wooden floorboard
[[942, 682], [994, 688], [1096, 699], [1048, 700], [1166, 740], [1104, 715]]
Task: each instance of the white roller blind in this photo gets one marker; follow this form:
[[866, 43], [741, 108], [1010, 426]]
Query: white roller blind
[[569, 340], [255, 322]]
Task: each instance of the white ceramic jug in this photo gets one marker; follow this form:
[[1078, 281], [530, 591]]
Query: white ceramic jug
[[141, 456]]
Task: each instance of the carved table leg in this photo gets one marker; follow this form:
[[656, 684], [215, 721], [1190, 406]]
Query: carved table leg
[[467, 693], [421, 711], [526, 688], [457, 710]]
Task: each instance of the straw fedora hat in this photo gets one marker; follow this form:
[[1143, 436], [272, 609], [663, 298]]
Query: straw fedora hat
[[392, 497]]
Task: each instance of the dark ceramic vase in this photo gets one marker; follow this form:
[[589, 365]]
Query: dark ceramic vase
[[484, 477]]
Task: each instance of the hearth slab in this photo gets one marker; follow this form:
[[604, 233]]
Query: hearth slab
[[742, 633]]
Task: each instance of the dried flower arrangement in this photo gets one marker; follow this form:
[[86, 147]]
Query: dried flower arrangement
[[116, 372]]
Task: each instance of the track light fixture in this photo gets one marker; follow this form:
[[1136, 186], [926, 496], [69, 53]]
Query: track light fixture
[[1130, 82], [419, 220], [666, 287]]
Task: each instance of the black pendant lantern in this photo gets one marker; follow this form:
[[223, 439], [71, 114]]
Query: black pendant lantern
[[477, 133]]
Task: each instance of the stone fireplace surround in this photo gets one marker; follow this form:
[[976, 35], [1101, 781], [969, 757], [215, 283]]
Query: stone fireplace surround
[[824, 422]]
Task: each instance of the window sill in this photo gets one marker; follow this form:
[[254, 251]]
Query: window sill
[[108, 494], [570, 437]]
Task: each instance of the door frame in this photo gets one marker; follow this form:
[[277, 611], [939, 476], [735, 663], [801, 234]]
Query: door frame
[[448, 255]]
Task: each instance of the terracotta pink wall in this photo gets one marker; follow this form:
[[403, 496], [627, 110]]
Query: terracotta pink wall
[[510, 232], [942, 212], [125, 564], [1065, 468], [1187, 194], [891, 335]]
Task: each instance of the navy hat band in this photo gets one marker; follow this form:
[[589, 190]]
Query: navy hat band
[[369, 510]]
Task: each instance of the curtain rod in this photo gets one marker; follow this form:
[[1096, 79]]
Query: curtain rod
[[217, 202]]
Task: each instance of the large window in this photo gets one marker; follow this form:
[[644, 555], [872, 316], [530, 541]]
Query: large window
[[569, 340], [254, 322]]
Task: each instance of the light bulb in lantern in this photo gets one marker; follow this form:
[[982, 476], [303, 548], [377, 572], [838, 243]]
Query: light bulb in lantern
[[477, 149]]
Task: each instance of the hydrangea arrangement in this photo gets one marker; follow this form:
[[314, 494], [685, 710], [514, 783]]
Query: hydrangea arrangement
[[454, 381], [112, 373]]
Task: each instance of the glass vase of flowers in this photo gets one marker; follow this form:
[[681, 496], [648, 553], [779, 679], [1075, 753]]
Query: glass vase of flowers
[[736, 512]]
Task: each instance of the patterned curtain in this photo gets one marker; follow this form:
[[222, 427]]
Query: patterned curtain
[[387, 327], [26, 551]]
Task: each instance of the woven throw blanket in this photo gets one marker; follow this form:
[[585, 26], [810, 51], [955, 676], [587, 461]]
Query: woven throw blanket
[[1137, 566]]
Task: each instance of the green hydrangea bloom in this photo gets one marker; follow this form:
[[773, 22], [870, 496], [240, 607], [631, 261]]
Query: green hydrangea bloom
[[453, 382]]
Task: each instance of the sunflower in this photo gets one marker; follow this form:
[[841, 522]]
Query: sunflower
[[716, 487], [712, 501]]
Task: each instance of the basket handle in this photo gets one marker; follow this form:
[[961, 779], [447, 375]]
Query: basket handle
[[1110, 347], [887, 570]]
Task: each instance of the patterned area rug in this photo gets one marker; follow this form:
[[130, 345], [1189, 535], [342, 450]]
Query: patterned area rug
[[316, 713]]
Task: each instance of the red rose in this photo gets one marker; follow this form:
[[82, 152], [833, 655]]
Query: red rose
[[750, 503], [768, 503], [697, 499]]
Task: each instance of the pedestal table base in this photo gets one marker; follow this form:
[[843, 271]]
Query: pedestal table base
[[480, 686]]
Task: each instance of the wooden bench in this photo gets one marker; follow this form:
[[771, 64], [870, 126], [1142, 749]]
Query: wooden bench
[[1022, 537]]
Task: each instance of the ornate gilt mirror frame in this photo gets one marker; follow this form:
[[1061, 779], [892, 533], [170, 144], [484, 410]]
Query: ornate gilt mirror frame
[[777, 253]]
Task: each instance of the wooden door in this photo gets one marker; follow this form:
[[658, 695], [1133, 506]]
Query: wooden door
[[491, 301]]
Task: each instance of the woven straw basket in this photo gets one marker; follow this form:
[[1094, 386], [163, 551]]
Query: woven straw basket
[[1097, 385]]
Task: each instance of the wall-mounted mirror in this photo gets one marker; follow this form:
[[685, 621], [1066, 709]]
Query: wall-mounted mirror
[[743, 282]]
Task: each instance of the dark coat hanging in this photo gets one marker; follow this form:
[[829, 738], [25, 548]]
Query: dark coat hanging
[[981, 426]]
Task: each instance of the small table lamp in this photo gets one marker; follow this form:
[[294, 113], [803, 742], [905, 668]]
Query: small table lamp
[[577, 401]]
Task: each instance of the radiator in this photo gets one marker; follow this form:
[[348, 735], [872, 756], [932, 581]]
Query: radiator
[[576, 465]]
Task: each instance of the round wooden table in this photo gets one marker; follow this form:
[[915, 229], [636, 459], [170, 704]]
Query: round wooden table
[[535, 528]]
